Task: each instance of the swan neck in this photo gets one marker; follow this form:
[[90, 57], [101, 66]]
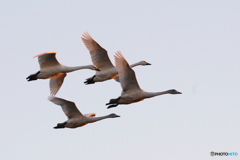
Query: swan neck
[[153, 94], [71, 69], [95, 119], [134, 64]]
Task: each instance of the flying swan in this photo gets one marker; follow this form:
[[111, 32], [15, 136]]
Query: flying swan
[[75, 117], [101, 60], [131, 92], [51, 68]]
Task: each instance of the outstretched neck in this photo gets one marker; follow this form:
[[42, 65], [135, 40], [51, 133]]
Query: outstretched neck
[[95, 119], [135, 64], [71, 69], [153, 94]]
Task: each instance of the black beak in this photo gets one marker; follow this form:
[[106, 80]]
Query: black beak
[[148, 64]]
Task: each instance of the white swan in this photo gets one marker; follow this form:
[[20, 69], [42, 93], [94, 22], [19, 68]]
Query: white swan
[[101, 60], [51, 68], [75, 117], [131, 92]]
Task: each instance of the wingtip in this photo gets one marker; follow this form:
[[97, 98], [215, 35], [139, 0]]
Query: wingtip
[[118, 55], [86, 35], [39, 55], [53, 92]]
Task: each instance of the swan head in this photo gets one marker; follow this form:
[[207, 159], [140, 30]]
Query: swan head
[[113, 115], [144, 63], [173, 91]]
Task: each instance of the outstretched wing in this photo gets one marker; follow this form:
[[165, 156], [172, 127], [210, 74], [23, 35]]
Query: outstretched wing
[[48, 59], [56, 82], [68, 107], [98, 54], [127, 76]]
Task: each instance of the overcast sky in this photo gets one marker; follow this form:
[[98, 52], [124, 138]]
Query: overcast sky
[[193, 47]]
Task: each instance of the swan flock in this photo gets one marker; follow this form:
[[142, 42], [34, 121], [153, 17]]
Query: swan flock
[[122, 72]]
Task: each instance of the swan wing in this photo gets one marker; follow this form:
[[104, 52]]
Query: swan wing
[[56, 82], [127, 76], [98, 54], [48, 59], [68, 107]]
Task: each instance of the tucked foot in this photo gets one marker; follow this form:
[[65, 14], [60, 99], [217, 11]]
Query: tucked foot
[[89, 80], [33, 77], [113, 105], [113, 102], [60, 125]]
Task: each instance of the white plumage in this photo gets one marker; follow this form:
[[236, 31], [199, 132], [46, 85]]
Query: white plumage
[[51, 68], [101, 60], [75, 117], [131, 91]]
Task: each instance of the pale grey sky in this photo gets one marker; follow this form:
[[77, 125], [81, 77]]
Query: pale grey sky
[[193, 47]]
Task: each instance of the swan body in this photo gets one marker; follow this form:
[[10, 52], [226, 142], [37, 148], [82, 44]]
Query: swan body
[[52, 69], [75, 117], [101, 60], [131, 91]]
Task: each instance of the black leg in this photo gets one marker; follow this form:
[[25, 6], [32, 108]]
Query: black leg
[[60, 125], [113, 102], [111, 106], [90, 80], [33, 77]]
